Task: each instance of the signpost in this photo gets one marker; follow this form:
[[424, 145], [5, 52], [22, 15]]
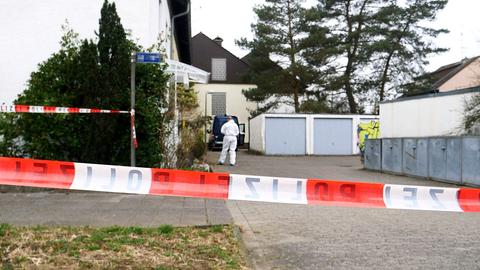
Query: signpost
[[148, 58], [141, 58]]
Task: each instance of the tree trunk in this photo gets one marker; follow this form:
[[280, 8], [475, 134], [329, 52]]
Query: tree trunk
[[383, 81], [295, 98], [384, 78], [293, 63], [349, 91], [353, 40]]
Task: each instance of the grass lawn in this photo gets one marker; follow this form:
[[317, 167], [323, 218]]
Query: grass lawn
[[115, 247]]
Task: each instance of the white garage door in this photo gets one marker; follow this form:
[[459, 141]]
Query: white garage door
[[332, 136], [285, 136]]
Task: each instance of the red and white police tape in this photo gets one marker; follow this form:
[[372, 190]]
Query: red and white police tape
[[52, 109], [119, 179], [134, 132], [69, 110]]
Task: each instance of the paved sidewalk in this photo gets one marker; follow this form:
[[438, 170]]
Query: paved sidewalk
[[107, 209], [285, 236]]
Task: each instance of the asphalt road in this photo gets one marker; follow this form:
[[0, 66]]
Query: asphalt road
[[282, 236]]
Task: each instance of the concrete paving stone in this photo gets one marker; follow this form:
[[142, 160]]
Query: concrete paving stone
[[167, 216], [168, 202], [216, 204], [219, 220], [219, 216], [194, 203], [173, 200], [192, 217]]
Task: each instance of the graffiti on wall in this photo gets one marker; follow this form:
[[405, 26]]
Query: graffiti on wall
[[368, 130]]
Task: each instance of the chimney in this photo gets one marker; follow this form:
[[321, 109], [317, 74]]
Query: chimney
[[218, 40]]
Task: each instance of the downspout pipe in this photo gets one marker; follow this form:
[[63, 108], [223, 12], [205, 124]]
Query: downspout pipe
[[174, 85], [172, 36]]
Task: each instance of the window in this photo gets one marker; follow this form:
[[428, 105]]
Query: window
[[219, 69], [219, 103]]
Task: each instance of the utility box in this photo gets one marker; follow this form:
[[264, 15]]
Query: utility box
[[373, 154], [471, 161], [447, 159], [392, 155], [415, 157]]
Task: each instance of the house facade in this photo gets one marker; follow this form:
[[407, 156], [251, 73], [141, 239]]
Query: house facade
[[223, 94], [439, 111], [456, 76], [32, 35]]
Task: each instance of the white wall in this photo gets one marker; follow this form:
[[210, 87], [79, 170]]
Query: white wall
[[31, 30], [432, 116], [257, 134], [236, 105], [257, 125]]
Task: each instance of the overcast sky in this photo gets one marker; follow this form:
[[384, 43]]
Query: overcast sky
[[231, 19]]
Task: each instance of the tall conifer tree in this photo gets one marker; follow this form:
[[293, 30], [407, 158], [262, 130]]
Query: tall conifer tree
[[276, 51], [114, 61], [405, 42]]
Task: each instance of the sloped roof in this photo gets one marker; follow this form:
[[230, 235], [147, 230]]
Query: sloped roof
[[214, 43], [204, 49], [431, 82], [445, 73]]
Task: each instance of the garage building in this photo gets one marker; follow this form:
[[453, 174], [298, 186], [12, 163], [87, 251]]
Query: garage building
[[306, 134]]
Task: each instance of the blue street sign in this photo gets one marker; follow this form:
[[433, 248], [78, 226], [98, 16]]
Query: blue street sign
[[147, 58]]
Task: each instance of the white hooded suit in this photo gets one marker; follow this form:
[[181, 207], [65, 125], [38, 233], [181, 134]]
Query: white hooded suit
[[230, 132]]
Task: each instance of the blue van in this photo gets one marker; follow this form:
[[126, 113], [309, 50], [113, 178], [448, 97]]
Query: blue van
[[216, 137]]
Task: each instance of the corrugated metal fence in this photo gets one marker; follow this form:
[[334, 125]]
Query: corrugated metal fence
[[446, 159]]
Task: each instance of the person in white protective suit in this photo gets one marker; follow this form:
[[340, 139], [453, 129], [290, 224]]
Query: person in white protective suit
[[230, 132]]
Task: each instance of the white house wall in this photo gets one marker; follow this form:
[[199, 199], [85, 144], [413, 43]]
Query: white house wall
[[309, 128], [236, 103], [31, 31], [164, 25], [257, 134], [433, 116]]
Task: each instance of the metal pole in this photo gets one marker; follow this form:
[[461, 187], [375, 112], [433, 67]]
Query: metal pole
[[206, 99], [206, 136], [175, 115], [132, 107]]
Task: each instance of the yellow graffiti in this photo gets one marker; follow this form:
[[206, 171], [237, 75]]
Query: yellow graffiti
[[370, 130]]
